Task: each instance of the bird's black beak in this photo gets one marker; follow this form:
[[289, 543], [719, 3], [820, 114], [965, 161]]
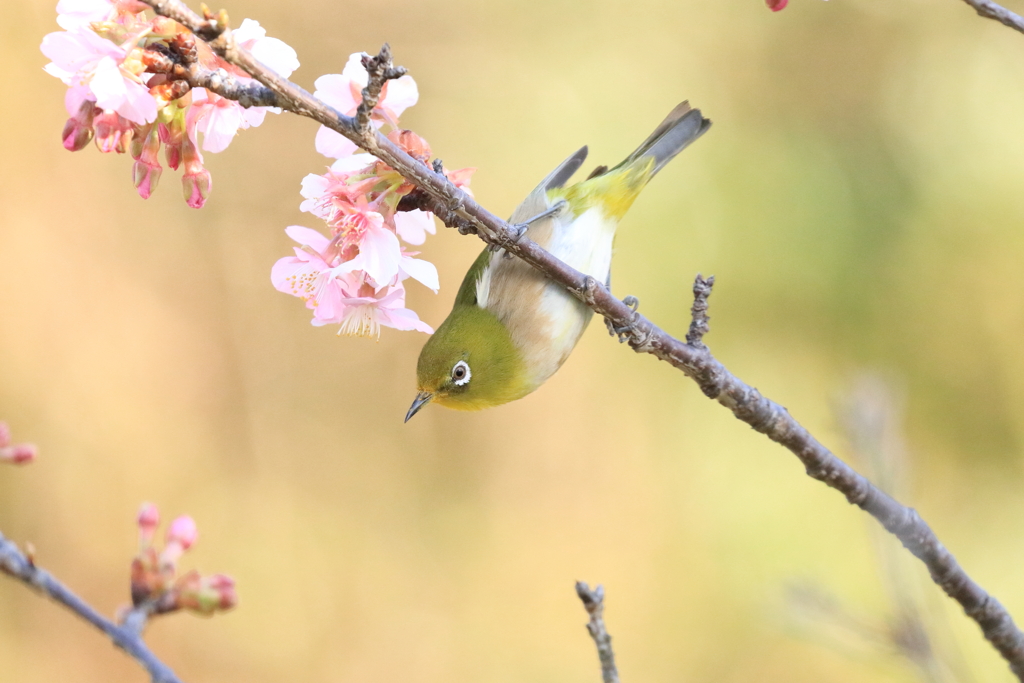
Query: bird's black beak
[[422, 399]]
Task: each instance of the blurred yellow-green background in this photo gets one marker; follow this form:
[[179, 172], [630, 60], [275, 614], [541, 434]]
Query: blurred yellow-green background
[[858, 198]]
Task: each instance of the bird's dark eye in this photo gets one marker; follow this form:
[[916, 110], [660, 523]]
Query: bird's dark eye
[[461, 373]]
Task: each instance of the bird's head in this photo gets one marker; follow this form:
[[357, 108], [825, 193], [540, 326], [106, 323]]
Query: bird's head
[[470, 363]]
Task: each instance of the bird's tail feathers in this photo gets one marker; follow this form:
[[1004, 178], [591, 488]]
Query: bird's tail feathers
[[681, 127]]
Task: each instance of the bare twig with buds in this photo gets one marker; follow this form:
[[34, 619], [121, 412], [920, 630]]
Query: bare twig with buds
[[156, 588], [457, 209], [126, 635], [593, 602]]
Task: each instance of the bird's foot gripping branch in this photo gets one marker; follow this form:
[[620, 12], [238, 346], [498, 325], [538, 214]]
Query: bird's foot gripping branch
[[137, 83]]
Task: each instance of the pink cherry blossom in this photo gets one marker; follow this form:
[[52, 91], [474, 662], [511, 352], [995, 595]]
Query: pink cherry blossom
[[364, 315], [343, 293], [95, 69], [320, 190], [344, 92], [380, 254], [308, 275], [219, 119]]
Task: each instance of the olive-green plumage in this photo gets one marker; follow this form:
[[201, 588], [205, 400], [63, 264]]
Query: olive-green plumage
[[511, 328]]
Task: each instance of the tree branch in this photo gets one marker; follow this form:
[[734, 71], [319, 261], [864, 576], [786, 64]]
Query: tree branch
[[126, 636], [459, 210], [593, 602], [991, 10]]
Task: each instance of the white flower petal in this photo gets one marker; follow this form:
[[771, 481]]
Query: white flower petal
[[276, 54], [413, 226], [421, 271], [354, 70]]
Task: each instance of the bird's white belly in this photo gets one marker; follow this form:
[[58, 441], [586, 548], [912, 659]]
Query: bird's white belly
[[586, 245], [543, 319]]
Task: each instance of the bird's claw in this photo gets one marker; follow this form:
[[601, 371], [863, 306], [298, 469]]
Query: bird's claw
[[518, 230], [625, 331]]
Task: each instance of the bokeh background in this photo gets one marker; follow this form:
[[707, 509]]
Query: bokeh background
[[858, 198]]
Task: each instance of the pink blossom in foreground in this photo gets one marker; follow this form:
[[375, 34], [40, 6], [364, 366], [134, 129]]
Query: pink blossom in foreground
[[308, 275], [343, 293], [776, 5], [104, 56], [344, 92], [364, 315], [15, 453], [96, 69]]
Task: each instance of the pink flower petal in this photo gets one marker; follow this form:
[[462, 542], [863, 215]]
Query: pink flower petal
[[402, 94], [220, 126], [379, 255], [405, 319], [307, 237], [332, 144], [335, 90]]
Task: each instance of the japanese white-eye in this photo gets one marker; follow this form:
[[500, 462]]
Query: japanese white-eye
[[511, 328]]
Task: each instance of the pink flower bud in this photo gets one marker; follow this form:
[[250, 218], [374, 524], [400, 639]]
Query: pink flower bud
[[196, 187], [78, 129], [148, 520], [207, 595], [19, 454], [776, 5], [183, 532], [146, 177], [5, 435], [113, 132]]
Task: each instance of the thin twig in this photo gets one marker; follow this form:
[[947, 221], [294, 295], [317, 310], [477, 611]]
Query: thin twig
[[699, 312], [457, 209], [379, 71], [991, 10], [593, 601], [127, 636]]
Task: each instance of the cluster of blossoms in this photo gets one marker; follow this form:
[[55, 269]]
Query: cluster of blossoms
[[104, 56], [117, 64], [15, 453], [155, 582], [353, 277]]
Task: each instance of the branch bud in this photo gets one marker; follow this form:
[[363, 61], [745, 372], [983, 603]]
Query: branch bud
[[19, 454]]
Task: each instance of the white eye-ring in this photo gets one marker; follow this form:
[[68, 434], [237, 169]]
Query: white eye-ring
[[461, 373]]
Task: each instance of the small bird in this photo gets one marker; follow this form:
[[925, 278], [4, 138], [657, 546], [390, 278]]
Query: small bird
[[511, 328]]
